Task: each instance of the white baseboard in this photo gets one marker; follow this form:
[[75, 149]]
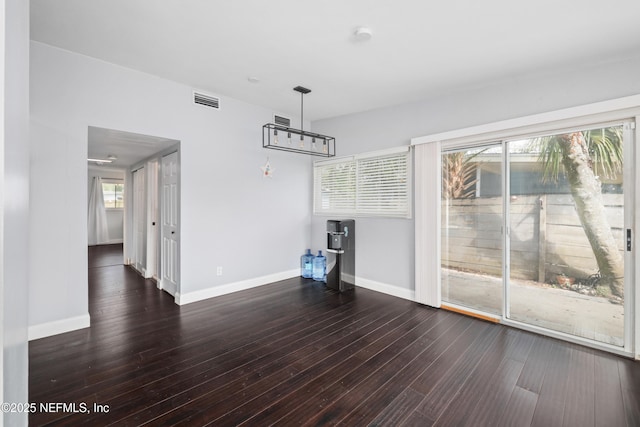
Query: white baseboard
[[182, 299], [80, 322], [385, 288], [48, 329]]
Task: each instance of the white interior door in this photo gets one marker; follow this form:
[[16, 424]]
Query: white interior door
[[153, 226], [169, 217], [139, 220]]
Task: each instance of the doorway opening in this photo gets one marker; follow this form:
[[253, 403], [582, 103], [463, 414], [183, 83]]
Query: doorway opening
[[146, 165]]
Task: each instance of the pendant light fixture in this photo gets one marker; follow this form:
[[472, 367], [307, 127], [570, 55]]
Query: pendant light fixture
[[311, 143]]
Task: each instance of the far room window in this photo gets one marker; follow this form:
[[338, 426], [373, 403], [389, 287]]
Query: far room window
[[113, 193]]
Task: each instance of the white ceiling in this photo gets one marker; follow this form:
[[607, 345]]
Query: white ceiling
[[419, 48], [129, 148]]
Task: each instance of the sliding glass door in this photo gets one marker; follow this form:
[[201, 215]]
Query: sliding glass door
[[552, 255], [472, 222], [567, 232]]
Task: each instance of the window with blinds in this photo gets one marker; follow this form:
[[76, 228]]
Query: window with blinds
[[373, 184], [335, 187]]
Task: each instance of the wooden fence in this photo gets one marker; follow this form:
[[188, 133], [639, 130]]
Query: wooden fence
[[546, 236]]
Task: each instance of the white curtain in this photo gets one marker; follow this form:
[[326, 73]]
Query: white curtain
[[427, 222], [97, 216]]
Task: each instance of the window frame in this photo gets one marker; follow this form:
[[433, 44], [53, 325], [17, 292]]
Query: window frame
[[113, 181]]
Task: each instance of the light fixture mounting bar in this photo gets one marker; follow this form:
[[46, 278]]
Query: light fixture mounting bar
[[302, 90]]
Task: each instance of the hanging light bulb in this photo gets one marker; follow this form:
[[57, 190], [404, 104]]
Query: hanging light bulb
[[313, 144], [324, 146], [289, 137], [301, 141], [275, 137]]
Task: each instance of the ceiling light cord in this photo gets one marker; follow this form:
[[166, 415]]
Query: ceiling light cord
[[301, 111]]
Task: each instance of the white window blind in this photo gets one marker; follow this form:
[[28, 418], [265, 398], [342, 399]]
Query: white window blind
[[382, 186], [375, 184], [334, 187]]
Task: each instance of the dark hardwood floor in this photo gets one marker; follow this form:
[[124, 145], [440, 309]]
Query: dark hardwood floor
[[294, 353]]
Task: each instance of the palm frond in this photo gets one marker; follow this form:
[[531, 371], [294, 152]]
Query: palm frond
[[603, 145], [458, 174], [605, 150], [550, 157]]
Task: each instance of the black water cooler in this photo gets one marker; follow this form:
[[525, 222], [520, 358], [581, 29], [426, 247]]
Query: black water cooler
[[341, 254]]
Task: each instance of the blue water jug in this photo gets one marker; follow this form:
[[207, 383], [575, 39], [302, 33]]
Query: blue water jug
[[306, 265], [319, 267]]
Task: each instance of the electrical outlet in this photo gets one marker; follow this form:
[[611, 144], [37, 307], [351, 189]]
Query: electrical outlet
[[219, 271]]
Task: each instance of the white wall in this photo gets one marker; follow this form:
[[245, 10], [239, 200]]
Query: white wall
[[230, 215], [385, 247], [14, 214], [115, 217]]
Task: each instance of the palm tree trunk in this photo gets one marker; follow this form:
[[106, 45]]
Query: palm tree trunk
[[587, 194]]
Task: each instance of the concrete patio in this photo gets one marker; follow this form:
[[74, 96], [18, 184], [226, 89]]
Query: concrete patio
[[538, 304]]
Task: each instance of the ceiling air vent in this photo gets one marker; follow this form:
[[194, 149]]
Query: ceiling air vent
[[282, 121], [206, 100]]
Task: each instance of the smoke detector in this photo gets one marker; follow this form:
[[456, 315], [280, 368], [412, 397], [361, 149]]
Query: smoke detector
[[363, 33]]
